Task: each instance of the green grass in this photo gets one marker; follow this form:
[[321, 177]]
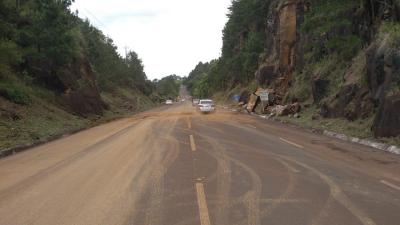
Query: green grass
[[43, 118], [15, 93], [40, 121]]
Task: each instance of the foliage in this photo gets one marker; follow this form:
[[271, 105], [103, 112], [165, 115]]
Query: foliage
[[196, 74], [202, 89], [329, 24], [14, 93], [112, 69], [243, 42], [9, 57], [42, 40], [168, 87]]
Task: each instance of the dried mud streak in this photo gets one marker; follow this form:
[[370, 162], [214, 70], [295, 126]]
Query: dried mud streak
[[292, 180], [223, 186], [164, 152], [335, 191], [252, 197], [337, 194], [157, 193], [288, 190]]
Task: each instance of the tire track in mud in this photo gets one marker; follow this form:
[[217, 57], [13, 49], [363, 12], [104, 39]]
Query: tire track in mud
[[336, 194], [252, 197], [292, 181], [335, 191], [166, 154], [223, 179], [249, 199], [163, 152], [324, 212]]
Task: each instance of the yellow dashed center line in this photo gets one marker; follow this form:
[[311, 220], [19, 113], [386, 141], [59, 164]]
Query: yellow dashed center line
[[201, 196], [202, 203], [289, 142], [192, 143]]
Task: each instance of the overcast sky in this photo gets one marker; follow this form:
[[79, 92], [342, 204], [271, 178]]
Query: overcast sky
[[170, 36]]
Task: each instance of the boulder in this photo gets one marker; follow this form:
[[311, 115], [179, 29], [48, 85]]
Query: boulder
[[281, 110], [387, 120], [253, 102]]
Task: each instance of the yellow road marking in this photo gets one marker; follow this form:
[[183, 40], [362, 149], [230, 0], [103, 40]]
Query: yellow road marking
[[390, 185], [192, 144], [202, 203], [289, 142]]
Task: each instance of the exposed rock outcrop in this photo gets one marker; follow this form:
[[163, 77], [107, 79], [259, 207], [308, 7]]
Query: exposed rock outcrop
[[282, 29], [367, 82], [387, 120]]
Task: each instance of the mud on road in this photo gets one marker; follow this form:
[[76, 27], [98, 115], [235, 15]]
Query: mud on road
[[173, 165]]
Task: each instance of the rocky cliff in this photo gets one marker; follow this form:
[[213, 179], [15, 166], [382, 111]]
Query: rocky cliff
[[342, 56]]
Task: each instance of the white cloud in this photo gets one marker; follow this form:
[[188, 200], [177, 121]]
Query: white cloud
[[170, 36]]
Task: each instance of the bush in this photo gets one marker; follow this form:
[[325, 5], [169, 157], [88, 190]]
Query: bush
[[14, 94]]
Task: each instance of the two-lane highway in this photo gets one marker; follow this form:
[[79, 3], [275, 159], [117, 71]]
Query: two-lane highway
[[175, 166]]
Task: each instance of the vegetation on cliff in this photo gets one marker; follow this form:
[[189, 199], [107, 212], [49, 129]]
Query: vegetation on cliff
[[339, 57]]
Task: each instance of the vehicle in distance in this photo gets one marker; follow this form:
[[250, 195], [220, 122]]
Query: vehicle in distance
[[195, 102], [168, 102], [206, 106]]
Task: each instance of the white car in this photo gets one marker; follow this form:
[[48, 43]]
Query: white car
[[206, 106], [168, 102]]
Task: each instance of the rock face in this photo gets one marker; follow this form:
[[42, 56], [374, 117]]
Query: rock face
[[380, 69], [361, 88], [282, 29], [287, 35], [387, 120], [82, 94], [383, 74]]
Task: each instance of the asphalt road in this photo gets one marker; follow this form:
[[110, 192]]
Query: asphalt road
[[174, 166]]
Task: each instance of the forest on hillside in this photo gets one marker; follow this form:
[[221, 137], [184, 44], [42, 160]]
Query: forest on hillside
[[44, 44], [59, 73]]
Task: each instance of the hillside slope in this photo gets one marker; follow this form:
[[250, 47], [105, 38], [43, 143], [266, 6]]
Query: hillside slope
[[339, 59], [59, 74]]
